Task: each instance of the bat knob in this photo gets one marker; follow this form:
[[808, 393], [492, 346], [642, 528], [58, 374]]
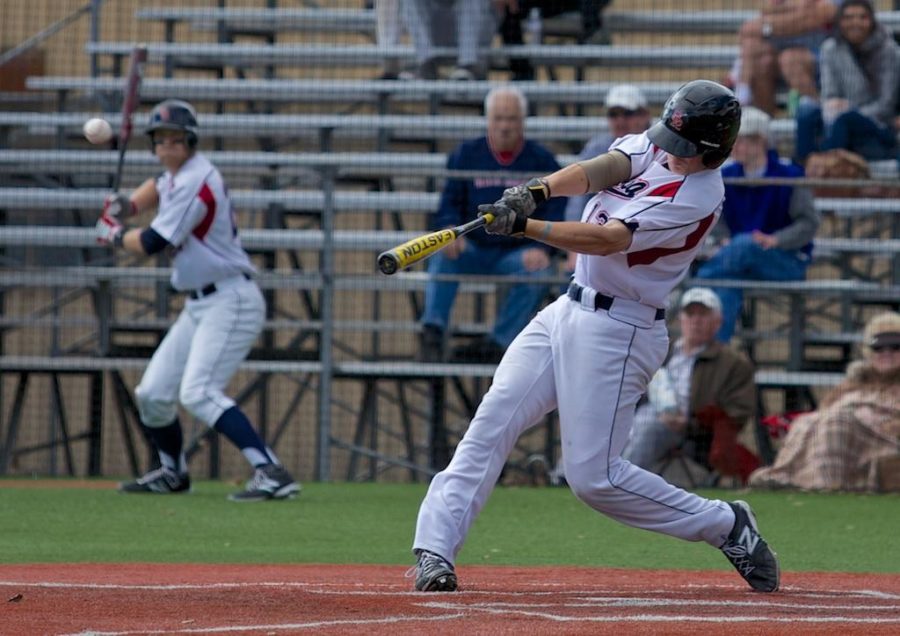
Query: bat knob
[[388, 263]]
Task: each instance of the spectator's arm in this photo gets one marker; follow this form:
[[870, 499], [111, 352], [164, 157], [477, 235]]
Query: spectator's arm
[[453, 204], [797, 18], [882, 108], [806, 221], [829, 77], [738, 393]]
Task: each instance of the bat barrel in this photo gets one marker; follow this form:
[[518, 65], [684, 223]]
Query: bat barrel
[[388, 262]]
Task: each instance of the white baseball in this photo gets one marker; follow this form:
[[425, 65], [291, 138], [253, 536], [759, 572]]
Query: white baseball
[[97, 130]]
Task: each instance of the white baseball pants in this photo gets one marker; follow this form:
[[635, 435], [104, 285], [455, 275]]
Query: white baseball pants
[[201, 352], [593, 366]]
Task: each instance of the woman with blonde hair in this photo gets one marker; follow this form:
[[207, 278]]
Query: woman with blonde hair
[[842, 445]]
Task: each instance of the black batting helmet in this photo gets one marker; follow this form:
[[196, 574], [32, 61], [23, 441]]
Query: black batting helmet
[[700, 118], [174, 114]]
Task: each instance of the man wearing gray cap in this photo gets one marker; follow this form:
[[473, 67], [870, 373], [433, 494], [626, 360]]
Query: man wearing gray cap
[[701, 382]]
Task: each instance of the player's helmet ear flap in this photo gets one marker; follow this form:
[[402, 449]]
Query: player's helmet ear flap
[[700, 118], [174, 114]]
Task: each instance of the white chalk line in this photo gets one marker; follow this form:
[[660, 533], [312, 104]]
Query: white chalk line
[[271, 627], [341, 589], [606, 618]]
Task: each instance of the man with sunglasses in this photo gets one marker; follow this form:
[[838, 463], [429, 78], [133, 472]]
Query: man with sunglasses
[[223, 313], [852, 441]]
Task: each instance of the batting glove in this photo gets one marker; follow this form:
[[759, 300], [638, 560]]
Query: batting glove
[[526, 197], [109, 231], [119, 205], [506, 221]]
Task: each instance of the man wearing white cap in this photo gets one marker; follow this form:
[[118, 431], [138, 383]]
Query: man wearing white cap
[[768, 230], [626, 114], [701, 381]]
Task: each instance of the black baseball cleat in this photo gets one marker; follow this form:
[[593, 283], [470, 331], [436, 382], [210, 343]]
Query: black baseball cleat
[[434, 573], [748, 551], [161, 481], [268, 482]]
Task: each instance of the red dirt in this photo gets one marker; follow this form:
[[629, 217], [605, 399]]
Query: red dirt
[[332, 599]]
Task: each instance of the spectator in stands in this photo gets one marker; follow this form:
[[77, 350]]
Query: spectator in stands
[[844, 443], [768, 229], [860, 82], [782, 43], [504, 148], [388, 26], [429, 23], [626, 114], [514, 12], [700, 398]]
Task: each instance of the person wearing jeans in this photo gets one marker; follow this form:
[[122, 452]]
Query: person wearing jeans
[[860, 87], [504, 148], [770, 227]]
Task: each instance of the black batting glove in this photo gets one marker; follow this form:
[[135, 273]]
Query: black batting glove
[[526, 197], [507, 222]]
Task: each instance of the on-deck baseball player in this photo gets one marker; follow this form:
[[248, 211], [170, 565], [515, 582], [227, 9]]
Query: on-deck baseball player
[[223, 314], [592, 352]]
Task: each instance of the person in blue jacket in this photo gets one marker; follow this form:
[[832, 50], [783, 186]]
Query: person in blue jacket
[[504, 148], [769, 228]]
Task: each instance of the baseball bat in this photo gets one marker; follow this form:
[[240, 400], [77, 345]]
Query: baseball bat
[[129, 104], [422, 247]]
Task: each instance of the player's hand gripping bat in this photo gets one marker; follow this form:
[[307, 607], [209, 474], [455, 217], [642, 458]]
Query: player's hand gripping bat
[[426, 245]]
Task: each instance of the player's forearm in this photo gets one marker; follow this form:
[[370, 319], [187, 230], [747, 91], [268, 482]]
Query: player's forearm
[[131, 241], [145, 196], [583, 238]]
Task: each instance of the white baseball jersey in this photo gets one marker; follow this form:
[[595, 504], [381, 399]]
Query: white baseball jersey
[[669, 213], [195, 216]]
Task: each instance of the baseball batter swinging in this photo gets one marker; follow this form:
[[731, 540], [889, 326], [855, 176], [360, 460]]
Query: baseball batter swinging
[[591, 353], [223, 314]]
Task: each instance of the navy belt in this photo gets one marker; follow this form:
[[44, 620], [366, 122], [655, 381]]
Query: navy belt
[[203, 292], [601, 301]]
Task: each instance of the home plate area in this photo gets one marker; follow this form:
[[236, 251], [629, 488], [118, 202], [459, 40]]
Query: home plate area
[[333, 599]]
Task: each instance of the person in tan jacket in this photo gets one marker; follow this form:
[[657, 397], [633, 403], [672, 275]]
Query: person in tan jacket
[[852, 442], [701, 397]]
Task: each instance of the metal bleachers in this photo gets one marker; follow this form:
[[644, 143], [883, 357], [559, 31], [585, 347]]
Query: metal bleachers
[[93, 317]]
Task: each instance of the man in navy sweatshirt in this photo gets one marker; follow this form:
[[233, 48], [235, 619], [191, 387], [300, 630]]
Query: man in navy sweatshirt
[[504, 148]]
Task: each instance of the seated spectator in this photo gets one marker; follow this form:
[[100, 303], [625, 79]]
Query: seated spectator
[[860, 81], [699, 399], [515, 11], [782, 43], [769, 228], [626, 114], [388, 26], [843, 444], [504, 148], [430, 23]]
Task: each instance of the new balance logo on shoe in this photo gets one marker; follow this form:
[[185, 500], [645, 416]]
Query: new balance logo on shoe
[[749, 553], [748, 539]]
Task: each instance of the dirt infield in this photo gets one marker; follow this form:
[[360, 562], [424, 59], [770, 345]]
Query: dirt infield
[[327, 599]]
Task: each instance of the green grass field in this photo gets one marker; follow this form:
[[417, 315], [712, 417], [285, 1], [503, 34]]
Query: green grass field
[[373, 523]]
